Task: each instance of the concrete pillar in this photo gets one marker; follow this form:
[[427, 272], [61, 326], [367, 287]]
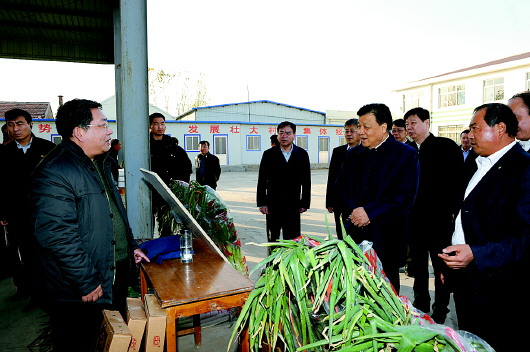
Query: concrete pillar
[[132, 109]]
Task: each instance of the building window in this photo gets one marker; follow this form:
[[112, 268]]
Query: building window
[[191, 142], [451, 132], [342, 140], [253, 142], [452, 95], [412, 100], [528, 81], [57, 139], [493, 89], [301, 141]]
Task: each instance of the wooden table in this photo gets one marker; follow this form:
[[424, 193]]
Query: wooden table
[[208, 283]]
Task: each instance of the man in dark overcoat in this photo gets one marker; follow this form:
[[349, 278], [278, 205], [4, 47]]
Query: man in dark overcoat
[[337, 157], [377, 186], [431, 216], [284, 185]]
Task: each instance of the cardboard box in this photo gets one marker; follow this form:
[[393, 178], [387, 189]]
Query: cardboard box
[[136, 320], [156, 324], [115, 336]]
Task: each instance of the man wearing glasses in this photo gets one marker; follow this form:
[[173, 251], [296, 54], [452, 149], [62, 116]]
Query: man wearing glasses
[[337, 157], [86, 250], [19, 158]]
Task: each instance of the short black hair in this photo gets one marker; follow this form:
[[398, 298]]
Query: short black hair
[[525, 96], [205, 142], [74, 113], [381, 112], [352, 122], [274, 139], [114, 142], [286, 124], [422, 114], [464, 131], [13, 114], [399, 123], [497, 113], [154, 116]]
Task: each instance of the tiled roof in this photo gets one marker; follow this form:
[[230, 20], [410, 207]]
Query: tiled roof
[[36, 110]]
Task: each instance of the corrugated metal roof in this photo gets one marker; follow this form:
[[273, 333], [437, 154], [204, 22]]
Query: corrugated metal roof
[[248, 102], [60, 30], [37, 110]]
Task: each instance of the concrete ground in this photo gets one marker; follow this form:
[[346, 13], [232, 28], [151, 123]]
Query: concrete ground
[[238, 190]]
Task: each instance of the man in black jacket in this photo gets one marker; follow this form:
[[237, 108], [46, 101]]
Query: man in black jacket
[[284, 185], [19, 159], [85, 244], [168, 159], [207, 166], [376, 188], [441, 170], [337, 157]]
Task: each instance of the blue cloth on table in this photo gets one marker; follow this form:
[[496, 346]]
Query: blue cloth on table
[[162, 248]]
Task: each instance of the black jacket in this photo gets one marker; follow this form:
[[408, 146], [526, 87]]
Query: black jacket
[[384, 181], [212, 170], [169, 160], [441, 173], [73, 224], [337, 158], [17, 167], [284, 184]]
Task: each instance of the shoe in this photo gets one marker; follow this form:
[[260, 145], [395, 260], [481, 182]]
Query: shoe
[[438, 317], [425, 307], [439, 314]]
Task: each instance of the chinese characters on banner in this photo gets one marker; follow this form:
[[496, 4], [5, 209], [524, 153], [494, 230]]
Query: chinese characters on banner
[[45, 128]]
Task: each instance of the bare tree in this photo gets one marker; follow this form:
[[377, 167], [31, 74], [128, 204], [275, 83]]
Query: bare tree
[[175, 91]]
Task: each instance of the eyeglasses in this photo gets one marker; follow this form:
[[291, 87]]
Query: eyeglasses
[[104, 125]]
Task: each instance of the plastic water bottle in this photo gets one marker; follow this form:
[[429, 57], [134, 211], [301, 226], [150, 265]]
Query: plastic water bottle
[[186, 247]]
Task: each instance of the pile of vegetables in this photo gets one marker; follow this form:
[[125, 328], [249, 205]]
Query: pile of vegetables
[[210, 212], [328, 297]]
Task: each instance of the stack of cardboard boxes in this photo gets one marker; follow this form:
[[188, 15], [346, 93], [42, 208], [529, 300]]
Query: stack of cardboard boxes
[[146, 318]]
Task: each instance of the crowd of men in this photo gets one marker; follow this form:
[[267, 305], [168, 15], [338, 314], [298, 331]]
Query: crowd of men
[[415, 196], [418, 197], [68, 243]]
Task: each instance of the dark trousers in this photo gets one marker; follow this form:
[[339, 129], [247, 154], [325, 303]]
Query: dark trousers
[[76, 326], [337, 214], [495, 310], [21, 254], [283, 220], [419, 253]]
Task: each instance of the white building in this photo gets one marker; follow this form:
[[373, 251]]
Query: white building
[[238, 133], [451, 97]]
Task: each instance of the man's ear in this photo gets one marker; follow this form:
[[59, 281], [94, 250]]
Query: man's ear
[[79, 133], [30, 125]]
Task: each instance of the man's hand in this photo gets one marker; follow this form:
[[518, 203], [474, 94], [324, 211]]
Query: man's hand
[[264, 209], [302, 210], [139, 255], [94, 295], [4, 222], [330, 209], [359, 217], [458, 256]]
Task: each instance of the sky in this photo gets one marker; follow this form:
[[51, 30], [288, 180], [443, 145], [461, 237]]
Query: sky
[[319, 55]]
